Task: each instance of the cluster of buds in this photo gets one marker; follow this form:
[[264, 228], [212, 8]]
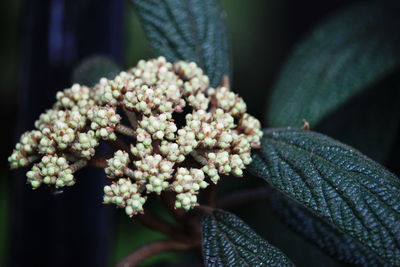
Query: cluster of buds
[[167, 151], [125, 194], [187, 185], [51, 170]]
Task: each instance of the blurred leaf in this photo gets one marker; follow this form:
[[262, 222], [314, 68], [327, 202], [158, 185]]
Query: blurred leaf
[[188, 30], [228, 241], [323, 234], [337, 183], [347, 54], [92, 69], [368, 121]]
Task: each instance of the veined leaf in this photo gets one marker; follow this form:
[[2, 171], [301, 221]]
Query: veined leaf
[[327, 74], [333, 241], [228, 241], [348, 52], [337, 183], [188, 30], [92, 69]]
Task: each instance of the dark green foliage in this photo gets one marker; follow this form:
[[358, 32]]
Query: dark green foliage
[[336, 79], [323, 234], [368, 121], [92, 69], [228, 241], [188, 30], [337, 183]]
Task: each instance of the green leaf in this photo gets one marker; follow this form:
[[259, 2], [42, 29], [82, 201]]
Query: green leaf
[[337, 183], [228, 241], [326, 236], [92, 69], [359, 122], [188, 30], [352, 52]]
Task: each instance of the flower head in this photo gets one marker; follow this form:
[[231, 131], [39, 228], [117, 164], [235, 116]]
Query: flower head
[[183, 135]]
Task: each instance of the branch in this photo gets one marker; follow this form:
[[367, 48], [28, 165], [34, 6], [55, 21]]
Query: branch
[[98, 162], [156, 224], [77, 165], [153, 248], [238, 198], [210, 195], [225, 82], [199, 158], [125, 130], [131, 115]]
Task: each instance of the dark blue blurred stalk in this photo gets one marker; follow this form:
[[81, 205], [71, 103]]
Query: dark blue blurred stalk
[[72, 228]]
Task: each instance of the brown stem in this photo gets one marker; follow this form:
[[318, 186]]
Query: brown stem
[[131, 115], [199, 158], [77, 165], [98, 162], [225, 81], [125, 130], [151, 249], [238, 198], [156, 224], [210, 195], [202, 209]]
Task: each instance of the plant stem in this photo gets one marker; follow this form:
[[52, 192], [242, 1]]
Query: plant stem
[[199, 158], [210, 194], [225, 82], [156, 224], [238, 198], [151, 249], [125, 130], [131, 115], [78, 165], [98, 162]]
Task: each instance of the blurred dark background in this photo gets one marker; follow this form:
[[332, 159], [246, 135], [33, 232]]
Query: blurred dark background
[[42, 42]]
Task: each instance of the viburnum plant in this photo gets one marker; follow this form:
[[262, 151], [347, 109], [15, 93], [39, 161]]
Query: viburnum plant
[[177, 128]]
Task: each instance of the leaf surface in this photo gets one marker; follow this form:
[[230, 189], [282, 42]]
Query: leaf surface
[[338, 71], [228, 241], [188, 30], [336, 183], [333, 241]]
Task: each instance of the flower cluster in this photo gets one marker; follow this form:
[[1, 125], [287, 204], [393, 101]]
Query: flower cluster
[[51, 170], [183, 134]]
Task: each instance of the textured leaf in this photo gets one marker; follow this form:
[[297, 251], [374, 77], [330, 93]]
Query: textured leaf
[[337, 183], [92, 69], [228, 241], [349, 53], [326, 236], [188, 30]]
